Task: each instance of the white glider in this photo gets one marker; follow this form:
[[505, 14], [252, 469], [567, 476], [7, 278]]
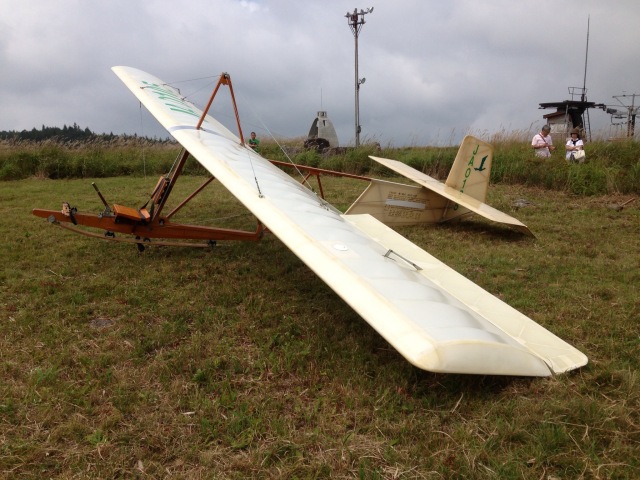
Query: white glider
[[436, 318]]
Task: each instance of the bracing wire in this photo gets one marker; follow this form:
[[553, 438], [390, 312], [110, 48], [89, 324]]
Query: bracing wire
[[208, 77], [255, 177], [175, 161], [272, 136], [214, 78], [144, 158], [262, 123]]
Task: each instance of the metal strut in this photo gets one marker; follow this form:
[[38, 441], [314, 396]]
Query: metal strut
[[390, 252]]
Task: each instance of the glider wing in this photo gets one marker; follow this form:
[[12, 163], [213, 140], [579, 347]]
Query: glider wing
[[437, 319]]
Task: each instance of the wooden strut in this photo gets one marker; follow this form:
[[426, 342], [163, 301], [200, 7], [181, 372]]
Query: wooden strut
[[137, 240], [316, 172], [149, 223], [225, 79]]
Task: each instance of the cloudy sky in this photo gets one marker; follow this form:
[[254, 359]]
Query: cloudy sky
[[434, 69]]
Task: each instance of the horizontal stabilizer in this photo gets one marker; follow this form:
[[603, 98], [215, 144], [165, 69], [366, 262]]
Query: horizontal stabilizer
[[455, 196]]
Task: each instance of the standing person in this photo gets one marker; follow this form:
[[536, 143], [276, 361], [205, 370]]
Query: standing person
[[254, 142], [574, 144], [542, 142]]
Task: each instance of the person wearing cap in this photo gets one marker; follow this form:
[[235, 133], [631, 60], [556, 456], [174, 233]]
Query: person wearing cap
[[574, 144], [542, 142]]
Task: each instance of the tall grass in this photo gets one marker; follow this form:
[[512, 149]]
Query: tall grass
[[95, 159], [612, 167]]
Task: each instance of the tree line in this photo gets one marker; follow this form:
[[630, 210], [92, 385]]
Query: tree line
[[68, 133]]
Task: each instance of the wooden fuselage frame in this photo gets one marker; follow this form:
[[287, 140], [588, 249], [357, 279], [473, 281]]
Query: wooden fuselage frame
[[149, 223]]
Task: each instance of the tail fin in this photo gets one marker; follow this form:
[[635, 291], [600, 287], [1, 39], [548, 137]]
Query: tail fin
[[464, 192], [471, 169]]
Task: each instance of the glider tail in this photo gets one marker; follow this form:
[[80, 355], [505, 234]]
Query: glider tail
[[471, 169]]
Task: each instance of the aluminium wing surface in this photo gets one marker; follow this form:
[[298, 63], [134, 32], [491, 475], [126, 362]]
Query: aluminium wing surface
[[437, 319]]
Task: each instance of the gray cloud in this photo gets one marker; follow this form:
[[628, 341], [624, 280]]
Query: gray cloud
[[434, 70]]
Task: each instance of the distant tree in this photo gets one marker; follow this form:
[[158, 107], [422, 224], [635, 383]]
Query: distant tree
[[73, 133]]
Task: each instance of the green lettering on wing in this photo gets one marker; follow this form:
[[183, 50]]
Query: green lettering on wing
[[173, 101]]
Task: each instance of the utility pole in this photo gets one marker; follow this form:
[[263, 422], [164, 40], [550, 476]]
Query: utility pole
[[356, 21]]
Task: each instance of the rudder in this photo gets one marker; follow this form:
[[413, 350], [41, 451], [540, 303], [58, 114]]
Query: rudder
[[471, 168]]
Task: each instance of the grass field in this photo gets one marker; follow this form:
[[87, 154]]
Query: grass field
[[238, 362]]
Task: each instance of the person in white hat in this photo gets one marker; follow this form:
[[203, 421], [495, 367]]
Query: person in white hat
[[574, 145]]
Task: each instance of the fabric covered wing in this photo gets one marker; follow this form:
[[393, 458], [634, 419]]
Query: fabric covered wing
[[408, 298]]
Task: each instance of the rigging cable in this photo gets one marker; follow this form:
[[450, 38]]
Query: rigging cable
[[264, 126], [186, 97], [144, 158]]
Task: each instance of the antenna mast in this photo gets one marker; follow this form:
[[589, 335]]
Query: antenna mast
[[586, 57]]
